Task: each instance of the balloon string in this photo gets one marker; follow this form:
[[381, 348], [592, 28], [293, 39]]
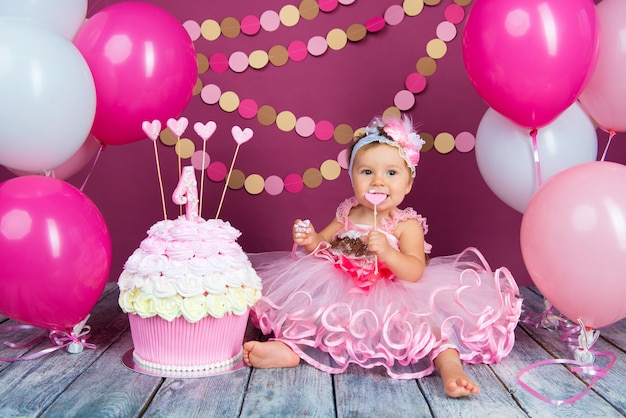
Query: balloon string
[[156, 157], [93, 165], [230, 172], [533, 135], [611, 135]]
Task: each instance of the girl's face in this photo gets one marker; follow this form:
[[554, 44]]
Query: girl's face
[[381, 169]]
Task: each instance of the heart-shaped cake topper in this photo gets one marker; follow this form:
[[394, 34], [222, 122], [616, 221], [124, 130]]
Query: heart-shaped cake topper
[[205, 130], [241, 136], [375, 198], [177, 126], [152, 129]]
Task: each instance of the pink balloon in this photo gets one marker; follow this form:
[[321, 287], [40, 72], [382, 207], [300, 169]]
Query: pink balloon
[[573, 241], [144, 68], [85, 154], [604, 97], [56, 252], [530, 59]]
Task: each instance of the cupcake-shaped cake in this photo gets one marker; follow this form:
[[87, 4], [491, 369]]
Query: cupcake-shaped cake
[[188, 290]]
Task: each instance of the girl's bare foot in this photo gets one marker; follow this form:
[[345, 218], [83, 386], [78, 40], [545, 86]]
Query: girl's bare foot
[[456, 382], [269, 355]]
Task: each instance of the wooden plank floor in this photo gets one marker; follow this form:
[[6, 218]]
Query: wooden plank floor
[[95, 383]]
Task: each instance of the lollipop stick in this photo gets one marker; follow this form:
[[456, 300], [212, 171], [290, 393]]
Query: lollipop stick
[[202, 176], [156, 156], [375, 256], [230, 171]]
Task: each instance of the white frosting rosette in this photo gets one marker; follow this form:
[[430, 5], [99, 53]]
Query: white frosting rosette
[[189, 268]]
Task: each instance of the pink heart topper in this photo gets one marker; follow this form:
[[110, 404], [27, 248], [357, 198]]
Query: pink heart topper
[[241, 136], [152, 129], [375, 198], [205, 130], [178, 126]]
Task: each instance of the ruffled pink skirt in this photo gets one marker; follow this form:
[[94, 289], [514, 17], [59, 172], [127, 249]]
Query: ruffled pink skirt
[[318, 311]]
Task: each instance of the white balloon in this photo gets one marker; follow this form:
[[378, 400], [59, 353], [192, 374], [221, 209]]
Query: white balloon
[[505, 157], [64, 17], [48, 97]]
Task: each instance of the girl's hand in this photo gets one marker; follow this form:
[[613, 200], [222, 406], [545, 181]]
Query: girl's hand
[[378, 244], [303, 232]]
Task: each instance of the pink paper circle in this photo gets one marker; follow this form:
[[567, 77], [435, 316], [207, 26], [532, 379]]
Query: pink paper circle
[[250, 25], [317, 45], [342, 159], [394, 15], [415, 82], [211, 94], [454, 13], [238, 61], [248, 108], [270, 20], [193, 29], [446, 31], [297, 51], [305, 126], [218, 62], [293, 183], [327, 5], [216, 171], [324, 130], [375, 24], [465, 142], [404, 100], [274, 185], [196, 160]]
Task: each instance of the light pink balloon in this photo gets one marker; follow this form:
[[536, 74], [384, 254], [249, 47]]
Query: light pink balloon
[[530, 59], [144, 67], [604, 97], [573, 241], [77, 162], [56, 252]]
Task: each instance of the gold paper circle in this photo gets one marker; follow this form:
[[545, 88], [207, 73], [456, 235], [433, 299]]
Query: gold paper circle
[[203, 63], [185, 148], [229, 101], [230, 27], [330, 169], [430, 141], [278, 55], [254, 184], [237, 179], [392, 112], [210, 30], [436, 48], [426, 66], [266, 115], [168, 137], [312, 178], [356, 32], [343, 134], [286, 121], [432, 2], [197, 88], [413, 7], [289, 15], [258, 59], [336, 39], [462, 2], [444, 142], [309, 9]]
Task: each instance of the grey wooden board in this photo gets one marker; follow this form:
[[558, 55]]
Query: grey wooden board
[[95, 383]]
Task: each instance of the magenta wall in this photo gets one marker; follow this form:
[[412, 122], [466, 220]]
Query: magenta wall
[[346, 86]]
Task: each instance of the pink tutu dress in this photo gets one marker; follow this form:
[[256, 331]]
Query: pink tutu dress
[[332, 308]]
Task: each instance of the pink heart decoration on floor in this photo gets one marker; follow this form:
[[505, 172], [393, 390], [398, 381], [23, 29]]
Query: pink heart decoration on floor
[[205, 130], [177, 126], [241, 136], [152, 129], [375, 198]]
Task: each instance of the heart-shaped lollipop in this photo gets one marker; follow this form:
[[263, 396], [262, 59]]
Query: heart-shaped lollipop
[[178, 126], [152, 129], [205, 130], [375, 198], [241, 136]]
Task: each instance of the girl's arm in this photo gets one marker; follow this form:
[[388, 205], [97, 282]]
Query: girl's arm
[[305, 235], [409, 263]]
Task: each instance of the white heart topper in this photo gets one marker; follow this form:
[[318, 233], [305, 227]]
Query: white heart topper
[[151, 129], [205, 130], [241, 136], [178, 126]]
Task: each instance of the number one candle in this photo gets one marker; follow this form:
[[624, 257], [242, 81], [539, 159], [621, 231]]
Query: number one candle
[[186, 193]]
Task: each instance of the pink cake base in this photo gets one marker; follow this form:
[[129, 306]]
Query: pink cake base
[[211, 343]]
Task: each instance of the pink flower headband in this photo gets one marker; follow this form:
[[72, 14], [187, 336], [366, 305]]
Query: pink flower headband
[[399, 133]]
